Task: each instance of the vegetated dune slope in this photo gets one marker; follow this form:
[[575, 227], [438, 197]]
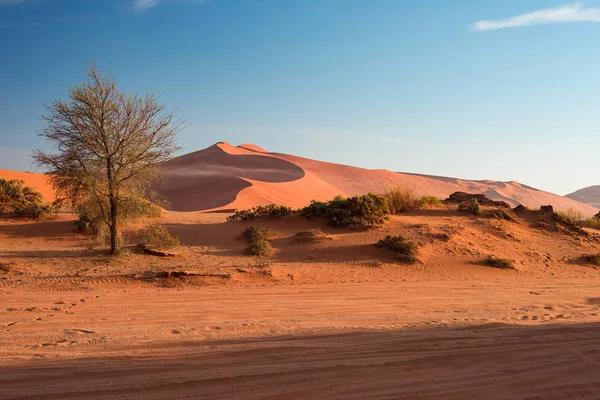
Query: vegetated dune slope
[[589, 195], [37, 181], [225, 177]]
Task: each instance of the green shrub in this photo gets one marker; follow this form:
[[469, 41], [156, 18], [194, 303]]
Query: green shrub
[[501, 263], [400, 199], [429, 201], [571, 215], [158, 237], [271, 211], [471, 206], [258, 241], [24, 201], [406, 249], [365, 211]]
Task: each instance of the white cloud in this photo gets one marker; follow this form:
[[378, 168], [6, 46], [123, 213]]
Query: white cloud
[[142, 5], [563, 14]]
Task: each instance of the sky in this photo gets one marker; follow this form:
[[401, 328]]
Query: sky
[[475, 89]]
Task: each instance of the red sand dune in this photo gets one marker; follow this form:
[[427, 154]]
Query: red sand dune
[[36, 181], [224, 177]]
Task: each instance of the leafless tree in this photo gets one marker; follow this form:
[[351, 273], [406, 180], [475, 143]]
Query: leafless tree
[[108, 145]]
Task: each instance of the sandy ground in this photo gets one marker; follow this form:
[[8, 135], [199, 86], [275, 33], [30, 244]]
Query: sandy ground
[[338, 319]]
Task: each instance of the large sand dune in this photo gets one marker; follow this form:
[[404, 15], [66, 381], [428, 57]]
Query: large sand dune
[[229, 177], [589, 195]]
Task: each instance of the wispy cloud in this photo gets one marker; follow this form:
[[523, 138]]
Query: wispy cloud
[[563, 14], [143, 5]]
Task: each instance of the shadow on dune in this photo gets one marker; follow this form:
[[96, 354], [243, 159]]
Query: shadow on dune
[[212, 178], [491, 361]]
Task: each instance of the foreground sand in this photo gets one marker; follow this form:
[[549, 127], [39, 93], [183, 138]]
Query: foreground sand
[[339, 319], [466, 339]]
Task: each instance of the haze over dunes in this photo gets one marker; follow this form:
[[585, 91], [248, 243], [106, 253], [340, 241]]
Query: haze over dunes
[[589, 195], [229, 177]]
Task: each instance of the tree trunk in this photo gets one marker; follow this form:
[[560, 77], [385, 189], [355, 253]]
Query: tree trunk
[[114, 229]]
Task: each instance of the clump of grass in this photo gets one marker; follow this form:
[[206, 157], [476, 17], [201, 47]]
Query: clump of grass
[[365, 211], [429, 202], [501, 263], [158, 237], [271, 211], [472, 206], [571, 215], [401, 199], [310, 236], [405, 249], [593, 223], [258, 241]]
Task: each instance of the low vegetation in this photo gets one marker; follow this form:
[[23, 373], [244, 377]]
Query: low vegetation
[[271, 211], [593, 259], [472, 206], [23, 201], [571, 215], [401, 199], [365, 211], [429, 202], [158, 237], [310, 236], [500, 213], [593, 223], [500, 263], [258, 241], [406, 250]]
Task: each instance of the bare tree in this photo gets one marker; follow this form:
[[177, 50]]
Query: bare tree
[[108, 147]]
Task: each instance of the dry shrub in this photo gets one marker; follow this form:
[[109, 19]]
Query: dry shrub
[[158, 237], [571, 215], [593, 259], [271, 211], [401, 199], [406, 249], [429, 202], [593, 223], [367, 211], [501, 263], [507, 215]]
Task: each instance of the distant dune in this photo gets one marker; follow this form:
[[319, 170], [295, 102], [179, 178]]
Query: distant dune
[[36, 181], [224, 177], [589, 195]]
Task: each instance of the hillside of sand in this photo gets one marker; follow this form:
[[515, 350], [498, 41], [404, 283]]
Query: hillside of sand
[[589, 195], [225, 177]]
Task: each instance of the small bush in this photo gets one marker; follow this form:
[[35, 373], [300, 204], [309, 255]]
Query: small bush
[[258, 241], [429, 202], [501, 263], [311, 236], [571, 215], [271, 211], [24, 201], [593, 259], [365, 211], [257, 232], [471, 206], [158, 237], [401, 199], [406, 249]]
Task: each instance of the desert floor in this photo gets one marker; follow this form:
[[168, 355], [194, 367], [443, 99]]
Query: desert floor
[[334, 320]]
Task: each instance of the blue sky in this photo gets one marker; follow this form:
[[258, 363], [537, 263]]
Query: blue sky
[[479, 89]]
